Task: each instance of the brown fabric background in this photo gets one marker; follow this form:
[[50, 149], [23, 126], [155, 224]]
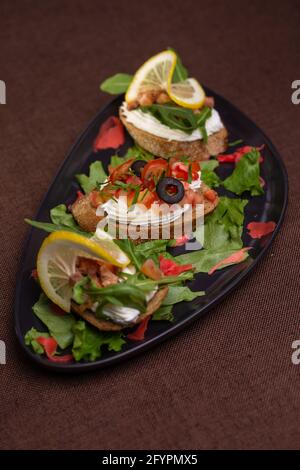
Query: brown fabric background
[[226, 381]]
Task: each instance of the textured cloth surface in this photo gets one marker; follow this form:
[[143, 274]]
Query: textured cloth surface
[[227, 381]]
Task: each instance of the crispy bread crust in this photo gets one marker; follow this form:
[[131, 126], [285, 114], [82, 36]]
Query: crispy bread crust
[[160, 147], [106, 325]]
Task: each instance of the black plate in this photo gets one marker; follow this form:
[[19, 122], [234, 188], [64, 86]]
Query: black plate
[[270, 206]]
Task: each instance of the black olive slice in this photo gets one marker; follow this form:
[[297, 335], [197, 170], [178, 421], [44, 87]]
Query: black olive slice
[[137, 166], [170, 190]]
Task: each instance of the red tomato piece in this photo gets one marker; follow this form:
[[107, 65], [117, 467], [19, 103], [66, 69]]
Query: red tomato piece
[[150, 270], [182, 240], [50, 345], [235, 258], [170, 268], [154, 169], [147, 197], [238, 154], [139, 333], [260, 229], [111, 135], [121, 171], [210, 195]]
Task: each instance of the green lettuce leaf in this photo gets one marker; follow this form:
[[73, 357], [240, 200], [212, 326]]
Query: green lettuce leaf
[[208, 175], [209, 165], [60, 216], [96, 176], [30, 340], [178, 294], [59, 326], [245, 176], [223, 228], [116, 84], [88, 342], [204, 260], [48, 227], [79, 294], [164, 313]]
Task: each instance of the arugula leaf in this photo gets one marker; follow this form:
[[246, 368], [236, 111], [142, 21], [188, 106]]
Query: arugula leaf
[[129, 248], [173, 116], [204, 260], [48, 227], [78, 293], [59, 326], [30, 340], [224, 226], [245, 176], [116, 84], [96, 176], [180, 72], [88, 342], [235, 142], [178, 294], [60, 216], [164, 313]]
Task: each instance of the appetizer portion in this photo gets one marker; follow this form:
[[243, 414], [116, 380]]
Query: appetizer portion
[[167, 113], [148, 193]]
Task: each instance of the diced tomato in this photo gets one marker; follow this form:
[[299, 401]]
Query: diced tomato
[[260, 229], [79, 195], [211, 195], [111, 135], [235, 258], [182, 240], [181, 171], [147, 197], [192, 197], [50, 346], [170, 268], [238, 154], [139, 333], [122, 171], [133, 179], [154, 169], [95, 198], [150, 270]]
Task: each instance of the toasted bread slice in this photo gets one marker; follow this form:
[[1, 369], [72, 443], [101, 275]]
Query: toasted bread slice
[[85, 214], [196, 150], [106, 325]]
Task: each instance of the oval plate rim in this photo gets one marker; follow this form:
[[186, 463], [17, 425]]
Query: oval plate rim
[[175, 328]]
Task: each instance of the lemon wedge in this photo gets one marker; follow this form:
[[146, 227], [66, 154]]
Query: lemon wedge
[[154, 75], [188, 93], [56, 262]]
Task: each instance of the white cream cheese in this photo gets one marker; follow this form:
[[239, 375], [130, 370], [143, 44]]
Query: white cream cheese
[[148, 123]]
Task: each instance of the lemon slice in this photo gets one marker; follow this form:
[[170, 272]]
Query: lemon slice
[[155, 74], [56, 262], [188, 93]]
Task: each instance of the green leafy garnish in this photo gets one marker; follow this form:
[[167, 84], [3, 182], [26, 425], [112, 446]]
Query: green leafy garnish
[[245, 176], [178, 294], [59, 326], [60, 216], [88, 342], [96, 176], [224, 226], [235, 142], [204, 260], [208, 175], [164, 313], [116, 84], [30, 340]]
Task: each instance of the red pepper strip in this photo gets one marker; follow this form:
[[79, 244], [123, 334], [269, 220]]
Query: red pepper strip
[[57, 310], [139, 333], [182, 240], [237, 155], [260, 229], [235, 258], [50, 345], [111, 135], [34, 274], [170, 268]]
